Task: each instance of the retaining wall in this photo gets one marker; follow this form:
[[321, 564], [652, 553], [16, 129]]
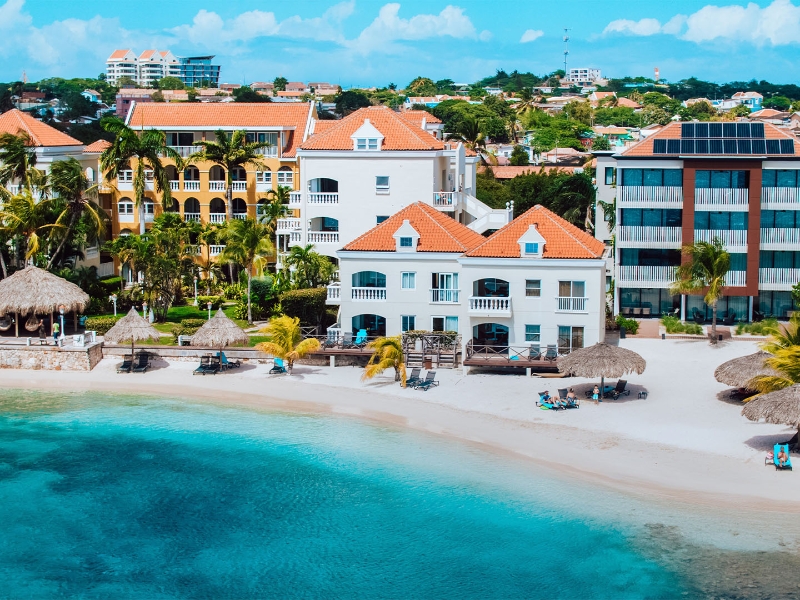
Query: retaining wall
[[51, 358]]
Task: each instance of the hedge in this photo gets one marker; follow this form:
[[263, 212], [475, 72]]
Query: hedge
[[186, 327], [216, 301], [101, 324], [308, 305], [631, 325]]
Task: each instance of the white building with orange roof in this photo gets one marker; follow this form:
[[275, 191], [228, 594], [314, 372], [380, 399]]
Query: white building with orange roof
[[152, 65], [358, 171], [537, 282]]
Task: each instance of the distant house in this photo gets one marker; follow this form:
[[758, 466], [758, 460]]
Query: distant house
[[92, 96], [263, 87], [751, 100], [296, 86], [126, 96], [770, 115]]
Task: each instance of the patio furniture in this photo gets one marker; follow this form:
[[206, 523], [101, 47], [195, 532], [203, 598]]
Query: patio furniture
[[548, 403], [415, 377], [142, 362], [209, 365], [646, 311], [535, 353], [626, 310], [429, 382], [552, 353], [637, 311], [698, 317], [562, 394], [277, 367], [347, 341], [330, 342], [772, 458], [730, 318], [228, 364], [126, 365], [620, 389], [361, 339]]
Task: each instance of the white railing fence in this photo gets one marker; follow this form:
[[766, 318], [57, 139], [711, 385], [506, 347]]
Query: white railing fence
[[444, 296], [360, 294], [323, 237], [323, 198], [571, 304], [721, 197], [487, 304]]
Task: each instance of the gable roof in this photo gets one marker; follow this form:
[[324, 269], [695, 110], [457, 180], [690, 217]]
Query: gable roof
[[437, 232], [562, 238], [119, 54], [416, 116], [398, 133], [14, 121], [98, 146], [511, 171]]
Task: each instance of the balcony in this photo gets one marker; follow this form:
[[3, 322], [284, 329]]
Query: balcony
[[185, 151], [323, 237], [445, 200], [736, 278], [217, 217], [721, 199], [174, 185], [240, 216], [216, 249], [368, 294], [295, 199], [334, 294], [288, 224], [191, 217], [647, 276], [191, 186], [572, 304], [13, 189], [778, 279], [731, 239], [440, 296], [270, 152], [323, 198], [239, 186], [295, 236], [649, 237], [216, 186], [485, 306], [780, 198], [640, 196], [780, 239]]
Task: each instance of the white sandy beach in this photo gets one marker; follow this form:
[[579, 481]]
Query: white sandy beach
[[681, 443]]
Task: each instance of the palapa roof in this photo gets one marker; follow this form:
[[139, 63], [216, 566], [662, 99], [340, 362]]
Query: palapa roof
[[601, 360], [219, 332], [781, 407], [130, 328], [739, 371], [34, 290]]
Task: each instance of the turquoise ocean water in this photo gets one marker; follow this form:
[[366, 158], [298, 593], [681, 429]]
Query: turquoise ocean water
[[122, 497]]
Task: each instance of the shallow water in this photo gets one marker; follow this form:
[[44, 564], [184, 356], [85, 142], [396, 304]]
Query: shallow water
[[127, 497]]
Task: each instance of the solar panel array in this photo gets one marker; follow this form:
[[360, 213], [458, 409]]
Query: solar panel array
[[724, 139]]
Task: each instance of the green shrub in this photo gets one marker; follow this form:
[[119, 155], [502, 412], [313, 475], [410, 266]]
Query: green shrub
[[101, 324], [631, 325], [765, 327], [186, 327], [308, 305], [111, 285], [97, 306], [216, 301], [233, 291], [675, 325]]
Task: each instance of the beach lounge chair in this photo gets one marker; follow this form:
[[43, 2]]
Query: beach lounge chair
[[361, 338], [562, 394], [550, 404], [552, 353], [209, 365], [277, 367], [347, 341], [126, 365], [730, 318], [225, 363], [619, 389], [772, 458], [429, 382], [535, 353], [142, 362], [415, 377]]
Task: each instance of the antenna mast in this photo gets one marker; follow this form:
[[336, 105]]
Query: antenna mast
[[566, 49]]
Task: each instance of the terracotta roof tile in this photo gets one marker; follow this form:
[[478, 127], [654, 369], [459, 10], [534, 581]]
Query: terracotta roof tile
[[14, 121], [510, 172], [416, 116], [562, 239], [673, 132], [627, 102], [147, 54], [321, 125], [97, 146], [398, 133], [118, 54], [437, 232]]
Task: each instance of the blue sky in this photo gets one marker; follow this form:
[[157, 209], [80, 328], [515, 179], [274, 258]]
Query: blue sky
[[365, 42]]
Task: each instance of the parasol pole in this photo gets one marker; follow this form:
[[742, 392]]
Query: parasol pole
[[16, 324]]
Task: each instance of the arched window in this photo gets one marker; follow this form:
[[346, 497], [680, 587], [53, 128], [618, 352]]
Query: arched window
[[238, 174], [90, 174], [191, 173], [372, 279], [239, 208], [286, 177], [191, 209], [216, 173], [374, 325], [490, 334], [125, 206], [264, 176], [217, 205], [490, 288], [124, 232], [323, 185], [324, 224]]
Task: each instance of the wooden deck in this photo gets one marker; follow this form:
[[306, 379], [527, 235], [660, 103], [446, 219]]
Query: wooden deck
[[503, 362]]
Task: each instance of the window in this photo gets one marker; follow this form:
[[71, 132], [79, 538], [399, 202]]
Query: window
[[779, 178], [574, 289], [736, 221], [444, 323], [721, 179], [531, 248], [408, 281], [264, 177], [780, 219], [372, 144], [149, 208], [367, 144], [286, 177], [125, 208], [569, 338], [381, 218], [611, 175], [652, 177], [382, 184], [651, 217], [406, 242], [532, 333], [533, 288], [361, 144], [180, 139], [409, 322]]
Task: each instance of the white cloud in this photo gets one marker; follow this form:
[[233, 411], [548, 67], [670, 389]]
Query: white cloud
[[531, 35], [485, 35], [641, 27]]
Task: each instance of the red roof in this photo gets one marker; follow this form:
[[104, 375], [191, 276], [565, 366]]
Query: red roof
[[511, 171], [437, 232], [562, 238], [416, 116], [97, 146], [15, 121], [398, 133], [118, 54]]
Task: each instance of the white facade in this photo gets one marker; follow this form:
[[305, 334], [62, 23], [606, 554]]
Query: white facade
[[583, 75]]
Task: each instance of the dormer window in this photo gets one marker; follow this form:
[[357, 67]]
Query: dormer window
[[531, 244], [367, 138], [367, 144], [531, 248], [406, 242], [406, 238]]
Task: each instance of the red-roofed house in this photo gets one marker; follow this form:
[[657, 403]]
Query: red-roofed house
[[537, 282], [369, 165]]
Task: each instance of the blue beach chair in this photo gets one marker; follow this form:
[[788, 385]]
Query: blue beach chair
[[550, 404], [361, 338], [278, 367], [786, 466]]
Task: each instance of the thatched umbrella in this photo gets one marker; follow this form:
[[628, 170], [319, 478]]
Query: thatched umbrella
[[131, 327], [781, 407], [739, 371], [36, 291], [219, 332], [601, 360]]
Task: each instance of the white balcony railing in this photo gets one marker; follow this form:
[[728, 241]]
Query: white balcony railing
[[366, 294], [191, 186], [217, 217], [640, 196], [719, 198], [571, 304], [216, 186], [496, 306], [647, 274], [91, 252], [240, 216], [295, 198], [271, 151], [729, 237], [649, 237], [777, 198], [185, 151], [440, 296], [444, 199], [14, 189], [780, 239], [778, 279], [216, 249], [174, 185], [323, 237], [736, 278], [239, 186], [323, 198], [288, 224], [334, 294], [191, 217], [295, 236], [105, 269]]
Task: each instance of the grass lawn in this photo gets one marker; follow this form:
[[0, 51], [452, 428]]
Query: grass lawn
[[177, 313]]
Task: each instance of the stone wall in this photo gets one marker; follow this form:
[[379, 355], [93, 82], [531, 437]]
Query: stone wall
[[50, 358]]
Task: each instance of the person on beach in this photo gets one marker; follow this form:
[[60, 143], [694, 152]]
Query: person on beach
[[42, 332], [572, 397], [56, 332], [596, 394], [782, 458]]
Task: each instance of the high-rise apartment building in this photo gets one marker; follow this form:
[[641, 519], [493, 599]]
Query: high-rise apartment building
[[152, 65]]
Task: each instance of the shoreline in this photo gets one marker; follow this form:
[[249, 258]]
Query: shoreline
[[585, 451]]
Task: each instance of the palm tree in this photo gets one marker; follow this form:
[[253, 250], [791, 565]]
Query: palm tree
[[286, 340], [469, 133], [388, 353], [309, 268], [230, 152], [527, 101], [247, 243], [17, 159], [146, 147], [706, 269], [69, 182], [270, 212], [25, 216], [786, 361], [784, 337], [209, 234]]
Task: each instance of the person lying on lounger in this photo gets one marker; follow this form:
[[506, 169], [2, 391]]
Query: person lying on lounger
[[782, 457]]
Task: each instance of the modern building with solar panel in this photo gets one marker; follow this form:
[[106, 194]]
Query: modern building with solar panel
[[738, 182]]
